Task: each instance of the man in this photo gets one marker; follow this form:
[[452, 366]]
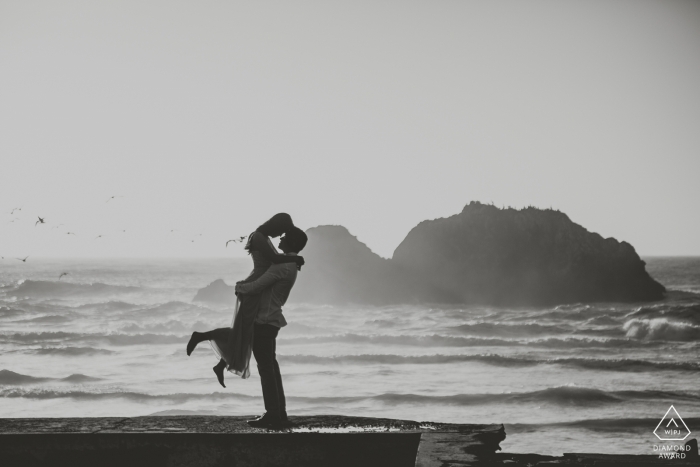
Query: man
[[275, 286]]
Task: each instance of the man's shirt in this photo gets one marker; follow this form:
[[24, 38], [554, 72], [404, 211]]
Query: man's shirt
[[275, 285]]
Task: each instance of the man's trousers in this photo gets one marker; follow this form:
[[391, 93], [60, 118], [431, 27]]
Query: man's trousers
[[264, 347]]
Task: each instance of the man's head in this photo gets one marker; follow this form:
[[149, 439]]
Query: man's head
[[277, 225], [293, 241]]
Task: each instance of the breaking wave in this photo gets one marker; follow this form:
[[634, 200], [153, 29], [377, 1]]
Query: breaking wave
[[661, 329], [683, 313]]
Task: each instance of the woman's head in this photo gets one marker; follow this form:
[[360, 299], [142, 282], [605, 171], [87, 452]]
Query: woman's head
[[277, 225]]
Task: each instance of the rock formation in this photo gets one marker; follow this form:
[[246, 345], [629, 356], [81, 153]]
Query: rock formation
[[482, 255], [216, 292], [341, 269], [524, 257]]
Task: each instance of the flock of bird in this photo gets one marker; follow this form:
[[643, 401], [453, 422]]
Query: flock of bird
[[42, 221]]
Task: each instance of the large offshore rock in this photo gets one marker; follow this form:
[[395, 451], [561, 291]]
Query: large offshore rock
[[529, 257]]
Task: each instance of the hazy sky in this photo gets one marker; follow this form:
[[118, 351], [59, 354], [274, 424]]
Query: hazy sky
[[210, 116]]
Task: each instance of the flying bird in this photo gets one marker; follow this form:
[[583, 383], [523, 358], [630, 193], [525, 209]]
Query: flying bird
[[235, 240], [112, 197], [40, 221], [15, 219], [99, 236], [23, 260], [15, 209], [57, 226], [70, 233], [62, 274]]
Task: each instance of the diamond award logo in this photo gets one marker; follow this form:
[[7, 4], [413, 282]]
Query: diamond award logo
[[672, 427]]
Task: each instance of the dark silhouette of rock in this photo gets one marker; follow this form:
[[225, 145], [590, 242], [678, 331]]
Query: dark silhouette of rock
[[216, 292], [341, 269], [524, 257]]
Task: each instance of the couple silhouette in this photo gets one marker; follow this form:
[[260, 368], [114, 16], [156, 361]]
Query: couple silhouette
[[258, 315]]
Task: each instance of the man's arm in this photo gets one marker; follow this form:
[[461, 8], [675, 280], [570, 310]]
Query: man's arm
[[261, 243], [273, 274]]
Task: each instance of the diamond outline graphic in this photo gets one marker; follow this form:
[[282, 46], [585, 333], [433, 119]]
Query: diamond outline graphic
[[673, 418]]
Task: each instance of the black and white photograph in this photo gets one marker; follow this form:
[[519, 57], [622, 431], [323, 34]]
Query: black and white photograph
[[342, 233]]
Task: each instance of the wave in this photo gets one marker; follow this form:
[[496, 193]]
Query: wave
[[169, 326], [683, 313], [10, 378], [7, 312], [80, 378], [622, 365], [661, 329], [53, 393], [559, 396], [50, 319], [602, 425], [112, 305], [573, 312], [37, 336], [510, 330], [68, 351], [436, 340], [53, 289], [563, 395], [168, 308], [111, 339]]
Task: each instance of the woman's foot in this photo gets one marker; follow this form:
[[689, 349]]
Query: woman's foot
[[219, 370], [194, 340]]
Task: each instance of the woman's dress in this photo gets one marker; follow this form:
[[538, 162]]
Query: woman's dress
[[237, 349]]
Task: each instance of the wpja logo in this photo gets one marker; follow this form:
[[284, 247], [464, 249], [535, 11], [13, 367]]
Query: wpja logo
[[671, 428]]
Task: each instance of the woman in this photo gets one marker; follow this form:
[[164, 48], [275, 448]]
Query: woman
[[234, 345]]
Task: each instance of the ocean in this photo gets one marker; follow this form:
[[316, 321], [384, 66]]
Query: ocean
[[108, 339]]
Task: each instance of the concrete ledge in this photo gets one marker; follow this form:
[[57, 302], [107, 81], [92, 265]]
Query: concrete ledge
[[228, 441]]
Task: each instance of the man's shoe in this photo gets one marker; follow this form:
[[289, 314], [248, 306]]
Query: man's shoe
[[266, 421], [284, 421]]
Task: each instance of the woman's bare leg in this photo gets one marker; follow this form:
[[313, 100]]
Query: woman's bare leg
[[219, 370], [197, 337]]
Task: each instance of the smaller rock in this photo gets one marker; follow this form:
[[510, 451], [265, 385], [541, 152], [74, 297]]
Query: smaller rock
[[216, 292]]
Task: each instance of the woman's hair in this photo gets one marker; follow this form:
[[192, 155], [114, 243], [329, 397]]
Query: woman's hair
[[277, 225]]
